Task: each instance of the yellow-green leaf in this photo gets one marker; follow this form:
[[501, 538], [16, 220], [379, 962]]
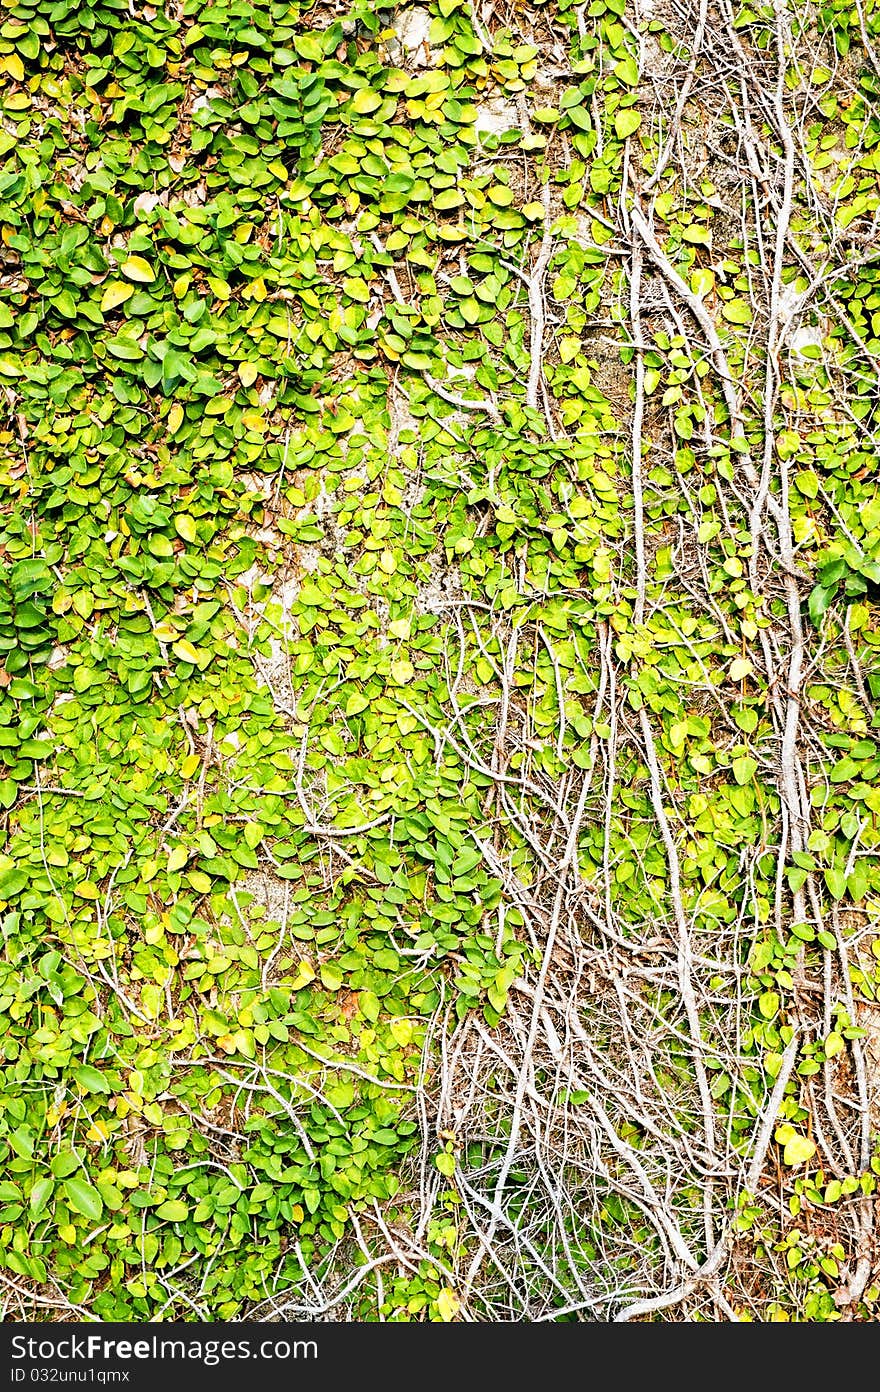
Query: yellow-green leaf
[[184, 649], [189, 765], [402, 1031], [740, 667], [798, 1150], [137, 269], [173, 1211], [448, 1304], [737, 312], [365, 100], [834, 1044], [626, 122], [115, 293], [177, 858]]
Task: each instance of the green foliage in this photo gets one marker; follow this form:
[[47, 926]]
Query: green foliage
[[254, 266]]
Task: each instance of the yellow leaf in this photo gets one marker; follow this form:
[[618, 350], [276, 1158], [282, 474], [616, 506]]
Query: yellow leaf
[[136, 268], [305, 974], [177, 858], [702, 281], [255, 290], [402, 1031], [86, 889], [152, 1000], [448, 1304], [798, 1150], [402, 672], [184, 649], [740, 668], [248, 373], [626, 123], [569, 347], [115, 293], [175, 418], [14, 66]]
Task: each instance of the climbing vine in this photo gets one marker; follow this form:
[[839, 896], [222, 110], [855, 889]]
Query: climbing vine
[[439, 653]]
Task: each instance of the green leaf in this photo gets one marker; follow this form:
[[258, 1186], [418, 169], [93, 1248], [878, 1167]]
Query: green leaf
[[173, 1210], [737, 311], [84, 1198], [90, 1079], [744, 769], [12, 882], [185, 526], [64, 1164], [845, 771], [40, 1195], [579, 117], [627, 71], [309, 46], [835, 880], [125, 348], [331, 976], [820, 598], [368, 1004], [697, 235], [626, 122]]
